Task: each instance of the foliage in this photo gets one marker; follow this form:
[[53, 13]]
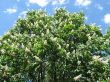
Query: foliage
[[56, 48]]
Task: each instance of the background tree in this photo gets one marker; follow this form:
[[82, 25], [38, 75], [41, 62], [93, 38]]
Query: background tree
[[56, 48]]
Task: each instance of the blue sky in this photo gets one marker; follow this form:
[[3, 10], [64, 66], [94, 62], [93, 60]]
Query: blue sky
[[96, 11]]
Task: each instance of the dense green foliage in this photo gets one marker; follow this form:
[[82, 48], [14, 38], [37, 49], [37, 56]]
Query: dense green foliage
[[56, 48]]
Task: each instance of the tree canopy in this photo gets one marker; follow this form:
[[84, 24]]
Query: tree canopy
[[54, 48]]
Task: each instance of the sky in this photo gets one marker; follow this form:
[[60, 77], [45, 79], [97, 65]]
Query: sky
[[96, 11]]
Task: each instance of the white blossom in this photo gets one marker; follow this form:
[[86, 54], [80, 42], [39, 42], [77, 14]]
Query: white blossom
[[2, 51], [77, 77], [22, 45], [37, 58], [88, 71], [59, 46], [67, 45], [107, 40], [45, 42], [29, 44], [105, 61], [79, 62], [68, 53], [5, 41], [72, 30], [45, 26], [42, 34], [27, 49], [53, 39], [8, 40], [64, 50], [32, 35], [96, 57], [47, 31], [13, 53], [89, 37], [8, 33], [6, 67], [13, 45]]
